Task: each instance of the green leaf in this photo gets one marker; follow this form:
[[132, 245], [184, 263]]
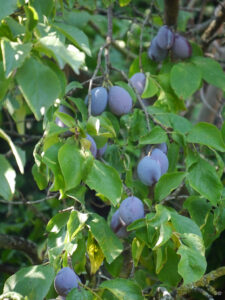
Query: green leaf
[[32, 78], [75, 35], [65, 118], [31, 18], [169, 273], [105, 180], [110, 245], [183, 224], [206, 134], [185, 79], [115, 267], [75, 223], [198, 209], [57, 222], [95, 253], [212, 71], [52, 46], [14, 55], [123, 289], [124, 2], [162, 215], [203, 178], [18, 153], [137, 248], [79, 294], [192, 264], [71, 162], [7, 8], [167, 183], [81, 106], [4, 82], [50, 158], [165, 233], [93, 125], [27, 281], [138, 126], [156, 136], [7, 182], [151, 87], [73, 85]]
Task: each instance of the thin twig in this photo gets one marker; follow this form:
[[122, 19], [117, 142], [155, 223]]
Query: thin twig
[[108, 41], [27, 202], [141, 38]]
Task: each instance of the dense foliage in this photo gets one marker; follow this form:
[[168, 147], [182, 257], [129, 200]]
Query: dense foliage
[[112, 149]]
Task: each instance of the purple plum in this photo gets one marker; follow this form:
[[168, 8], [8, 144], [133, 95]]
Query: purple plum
[[131, 209], [138, 81], [66, 279], [160, 158], [148, 170], [155, 53], [99, 100], [165, 38], [181, 47], [120, 101]]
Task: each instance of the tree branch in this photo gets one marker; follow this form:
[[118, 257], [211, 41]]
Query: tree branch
[[214, 25], [203, 282], [171, 9], [21, 244]]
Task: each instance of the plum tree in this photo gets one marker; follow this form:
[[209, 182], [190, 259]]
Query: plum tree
[[156, 53], [93, 147], [181, 47], [131, 209], [120, 101], [165, 37], [148, 171], [161, 158], [64, 109], [101, 151], [117, 226], [99, 100], [66, 279], [138, 81]]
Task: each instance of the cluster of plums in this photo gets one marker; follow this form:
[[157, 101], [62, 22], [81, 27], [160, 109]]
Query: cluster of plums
[[118, 100], [66, 279], [166, 40], [149, 169]]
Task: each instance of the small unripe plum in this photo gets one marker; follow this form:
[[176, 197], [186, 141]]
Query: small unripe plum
[[120, 101], [65, 280], [156, 53], [162, 147], [165, 37], [138, 81], [99, 100], [64, 110], [101, 151], [93, 147], [131, 209], [116, 225], [161, 158], [148, 171], [181, 47]]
